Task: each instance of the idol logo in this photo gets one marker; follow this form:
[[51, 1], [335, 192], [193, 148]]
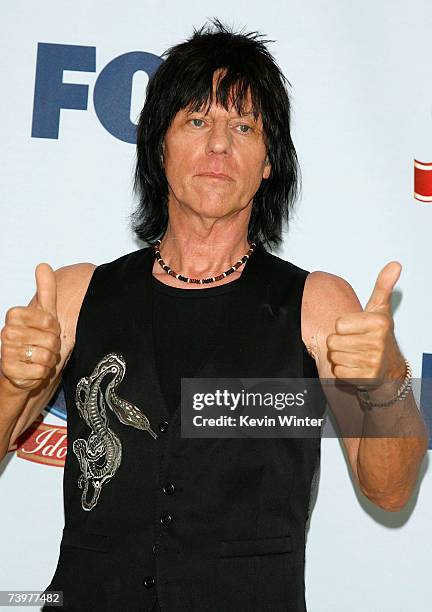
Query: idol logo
[[423, 181], [44, 442], [112, 91]]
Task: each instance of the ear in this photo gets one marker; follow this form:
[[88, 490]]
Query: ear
[[267, 168]]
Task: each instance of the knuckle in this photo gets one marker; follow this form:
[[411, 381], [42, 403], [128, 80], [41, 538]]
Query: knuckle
[[46, 320], [6, 353], [11, 333], [54, 343], [337, 370], [6, 367], [41, 371], [54, 324], [11, 313], [45, 357], [338, 324], [51, 360], [376, 342], [383, 321], [374, 360], [384, 333]]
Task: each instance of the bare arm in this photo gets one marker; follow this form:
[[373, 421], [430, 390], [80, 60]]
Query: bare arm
[[386, 468], [18, 407]]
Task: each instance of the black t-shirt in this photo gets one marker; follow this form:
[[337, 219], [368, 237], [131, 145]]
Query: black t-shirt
[[186, 323]]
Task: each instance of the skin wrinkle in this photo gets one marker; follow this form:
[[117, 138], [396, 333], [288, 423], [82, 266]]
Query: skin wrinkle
[[207, 215]]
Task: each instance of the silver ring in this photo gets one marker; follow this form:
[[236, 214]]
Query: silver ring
[[29, 353]]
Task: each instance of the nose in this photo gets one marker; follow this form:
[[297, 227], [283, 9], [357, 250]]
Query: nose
[[219, 139]]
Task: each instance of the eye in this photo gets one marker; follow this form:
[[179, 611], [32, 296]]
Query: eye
[[244, 125], [195, 119]]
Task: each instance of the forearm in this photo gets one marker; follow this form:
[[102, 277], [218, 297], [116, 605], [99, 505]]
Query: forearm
[[12, 404], [393, 444]]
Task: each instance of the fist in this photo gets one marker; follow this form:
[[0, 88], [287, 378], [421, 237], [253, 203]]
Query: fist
[[364, 345], [31, 336]]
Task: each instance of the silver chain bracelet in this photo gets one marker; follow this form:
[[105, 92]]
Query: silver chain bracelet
[[401, 392]]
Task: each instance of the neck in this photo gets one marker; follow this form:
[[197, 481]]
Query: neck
[[198, 258]]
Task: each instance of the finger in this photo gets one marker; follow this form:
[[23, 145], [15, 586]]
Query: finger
[[39, 356], [357, 322], [15, 363], [46, 288], [17, 369], [380, 298], [32, 317], [349, 342], [18, 336], [348, 359]]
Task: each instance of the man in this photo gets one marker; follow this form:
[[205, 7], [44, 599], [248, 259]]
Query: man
[[154, 520]]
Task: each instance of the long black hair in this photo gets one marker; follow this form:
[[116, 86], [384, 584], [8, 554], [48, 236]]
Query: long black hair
[[185, 80]]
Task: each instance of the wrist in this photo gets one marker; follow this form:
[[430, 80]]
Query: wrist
[[393, 381], [398, 372], [394, 388], [7, 388]]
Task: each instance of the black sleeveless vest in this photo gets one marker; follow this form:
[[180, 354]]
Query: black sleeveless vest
[[198, 524]]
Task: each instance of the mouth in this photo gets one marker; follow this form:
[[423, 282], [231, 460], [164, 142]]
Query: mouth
[[216, 175]]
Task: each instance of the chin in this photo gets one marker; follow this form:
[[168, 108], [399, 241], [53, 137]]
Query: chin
[[210, 202]]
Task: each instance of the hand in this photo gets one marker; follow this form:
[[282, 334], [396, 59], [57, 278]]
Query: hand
[[364, 345], [36, 325]]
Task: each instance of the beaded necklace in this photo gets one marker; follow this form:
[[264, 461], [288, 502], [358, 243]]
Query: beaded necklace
[[201, 281]]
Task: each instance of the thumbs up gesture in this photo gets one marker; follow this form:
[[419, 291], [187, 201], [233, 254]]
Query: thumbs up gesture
[[46, 289], [30, 338], [364, 345]]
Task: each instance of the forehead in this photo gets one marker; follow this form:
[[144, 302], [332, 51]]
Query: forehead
[[235, 97], [215, 107]]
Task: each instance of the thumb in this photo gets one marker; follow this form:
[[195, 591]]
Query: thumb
[[46, 288], [384, 284]]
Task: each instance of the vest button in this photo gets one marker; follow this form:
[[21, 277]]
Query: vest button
[[163, 426], [154, 549], [169, 488], [148, 582], [166, 519]]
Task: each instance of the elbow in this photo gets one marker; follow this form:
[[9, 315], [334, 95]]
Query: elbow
[[390, 502], [392, 505]]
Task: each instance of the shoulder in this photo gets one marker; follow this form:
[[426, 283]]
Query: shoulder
[[319, 285], [72, 277], [326, 296], [72, 284], [73, 280]]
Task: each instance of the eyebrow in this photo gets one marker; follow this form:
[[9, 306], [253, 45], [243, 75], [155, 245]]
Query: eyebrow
[[249, 114]]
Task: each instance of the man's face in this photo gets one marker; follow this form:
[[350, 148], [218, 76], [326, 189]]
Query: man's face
[[221, 141]]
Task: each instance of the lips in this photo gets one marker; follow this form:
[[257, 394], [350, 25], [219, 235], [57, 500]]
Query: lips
[[217, 175]]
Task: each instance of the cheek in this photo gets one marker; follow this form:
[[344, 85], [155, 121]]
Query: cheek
[[252, 178], [181, 163], [251, 166], [177, 172]]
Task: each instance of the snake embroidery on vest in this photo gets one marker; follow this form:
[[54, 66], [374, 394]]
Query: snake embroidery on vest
[[100, 454]]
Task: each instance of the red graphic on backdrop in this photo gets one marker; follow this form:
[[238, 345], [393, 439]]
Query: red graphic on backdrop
[[422, 181], [42, 443]]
